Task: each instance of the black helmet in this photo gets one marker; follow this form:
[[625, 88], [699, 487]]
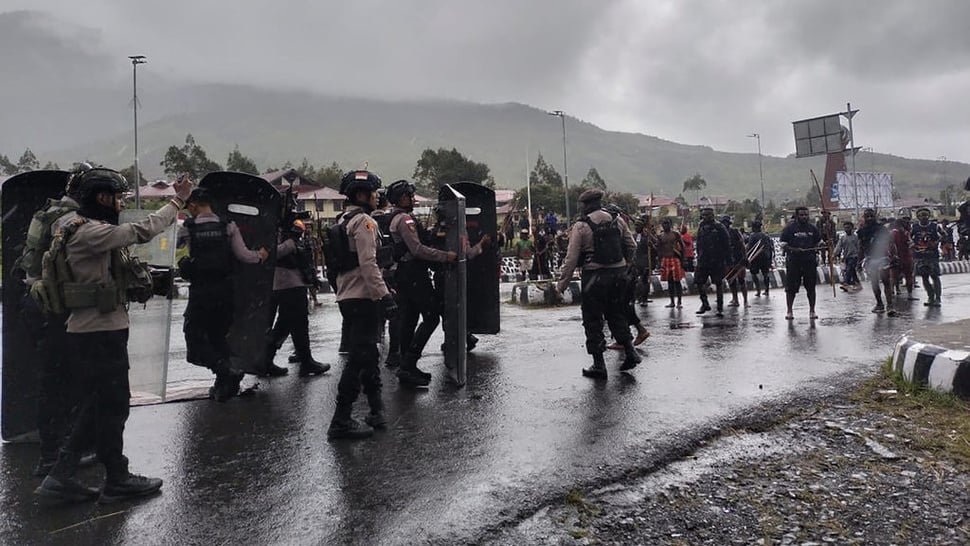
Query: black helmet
[[355, 181], [726, 219], [93, 181], [381, 198], [72, 182], [399, 189], [199, 195]]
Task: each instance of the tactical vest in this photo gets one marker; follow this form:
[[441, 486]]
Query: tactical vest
[[58, 293], [607, 242], [211, 255], [39, 236]]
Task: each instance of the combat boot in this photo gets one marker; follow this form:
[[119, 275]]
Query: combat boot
[[393, 360], [632, 358], [312, 367], [598, 369], [348, 429], [705, 304], [272, 370], [130, 486], [410, 374], [65, 490]]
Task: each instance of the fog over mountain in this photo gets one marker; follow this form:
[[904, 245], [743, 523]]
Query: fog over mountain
[[68, 96]]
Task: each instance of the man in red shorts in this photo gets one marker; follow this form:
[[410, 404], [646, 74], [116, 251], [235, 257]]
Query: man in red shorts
[[670, 248]]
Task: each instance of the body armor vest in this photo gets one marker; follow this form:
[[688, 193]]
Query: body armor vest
[[209, 247]]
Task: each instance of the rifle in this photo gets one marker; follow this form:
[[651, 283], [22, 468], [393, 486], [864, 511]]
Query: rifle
[[831, 250]]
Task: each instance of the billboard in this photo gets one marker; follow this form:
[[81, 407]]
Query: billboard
[[818, 136], [867, 190]]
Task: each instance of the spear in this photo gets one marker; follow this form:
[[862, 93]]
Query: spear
[[831, 251]]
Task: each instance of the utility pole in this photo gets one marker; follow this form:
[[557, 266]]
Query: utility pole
[[761, 172], [565, 169], [135, 61]]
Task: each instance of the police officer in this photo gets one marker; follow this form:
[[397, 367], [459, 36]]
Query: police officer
[[713, 252], [603, 247], [98, 336], [364, 303], [214, 245], [415, 293], [293, 275], [382, 215], [58, 394]]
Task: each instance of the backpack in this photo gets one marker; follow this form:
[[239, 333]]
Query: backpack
[[607, 241], [336, 247], [57, 293], [39, 236]]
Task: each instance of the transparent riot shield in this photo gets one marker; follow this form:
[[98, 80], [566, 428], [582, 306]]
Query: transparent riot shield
[[256, 207], [484, 270], [451, 206], [150, 323], [22, 196]]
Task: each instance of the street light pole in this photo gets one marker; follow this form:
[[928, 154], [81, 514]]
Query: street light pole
[[565, 169], [761, 172], [135, 61]]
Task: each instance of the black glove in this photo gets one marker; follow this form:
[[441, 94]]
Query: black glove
[[390, 306]]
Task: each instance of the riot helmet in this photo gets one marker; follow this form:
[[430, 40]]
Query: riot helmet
[[94, 182], [355, 181], [71, 190], [399, 189]]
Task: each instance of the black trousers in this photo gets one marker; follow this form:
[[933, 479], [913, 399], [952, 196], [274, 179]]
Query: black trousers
[[630, 296], [100, 362], [292, 320], [604, 294], [363, 321], [206, 323], [59, 393], [416, 299]]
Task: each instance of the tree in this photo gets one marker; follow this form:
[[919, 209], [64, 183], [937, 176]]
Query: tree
[[190, 159], [6, 166], [237, 162], [695, 184], [437, 168], [626, 201], [594, 180], [329, 176], [28, 162], [544, 174], [51, 166], [305, 169], [129, 174]]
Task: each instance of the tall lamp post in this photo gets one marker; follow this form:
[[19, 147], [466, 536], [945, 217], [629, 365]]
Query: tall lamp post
[[761, 172], [565, 170], [135, 61]]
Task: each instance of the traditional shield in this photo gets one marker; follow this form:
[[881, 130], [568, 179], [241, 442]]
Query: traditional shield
[[22, 196], [150, 324], [484, 270], [451, 205], [256, 207]]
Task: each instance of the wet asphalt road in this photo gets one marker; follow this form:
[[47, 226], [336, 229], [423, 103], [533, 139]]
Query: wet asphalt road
[[455, 463]]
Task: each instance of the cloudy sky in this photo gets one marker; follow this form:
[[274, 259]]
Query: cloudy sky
[[691, 71]]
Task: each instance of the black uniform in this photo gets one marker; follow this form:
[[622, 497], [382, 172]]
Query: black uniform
[[713, 246]]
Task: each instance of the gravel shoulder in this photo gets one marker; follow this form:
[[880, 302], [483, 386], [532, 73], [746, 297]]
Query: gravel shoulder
[[880, 463]]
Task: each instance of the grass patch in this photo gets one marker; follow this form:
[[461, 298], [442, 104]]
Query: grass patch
[[939, 422]]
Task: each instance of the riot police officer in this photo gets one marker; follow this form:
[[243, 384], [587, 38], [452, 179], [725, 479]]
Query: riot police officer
[[98, 335], [293, 275], [364, 303], [214, 245], [415, 293], [601, 244]]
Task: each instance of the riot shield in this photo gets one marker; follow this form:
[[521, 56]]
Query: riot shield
[[484, 270], [22, 196], [451, 206], [150, 324], [256, 207]]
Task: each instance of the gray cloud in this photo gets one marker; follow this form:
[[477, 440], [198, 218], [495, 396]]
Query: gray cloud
[[693, 71]]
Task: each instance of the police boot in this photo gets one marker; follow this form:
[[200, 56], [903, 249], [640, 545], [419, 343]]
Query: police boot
[[60, 485], [632, 358], [410, 374], [309, 367], [376, 417], [393, 359], [598, 369], [128, 486], [344, 426]]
